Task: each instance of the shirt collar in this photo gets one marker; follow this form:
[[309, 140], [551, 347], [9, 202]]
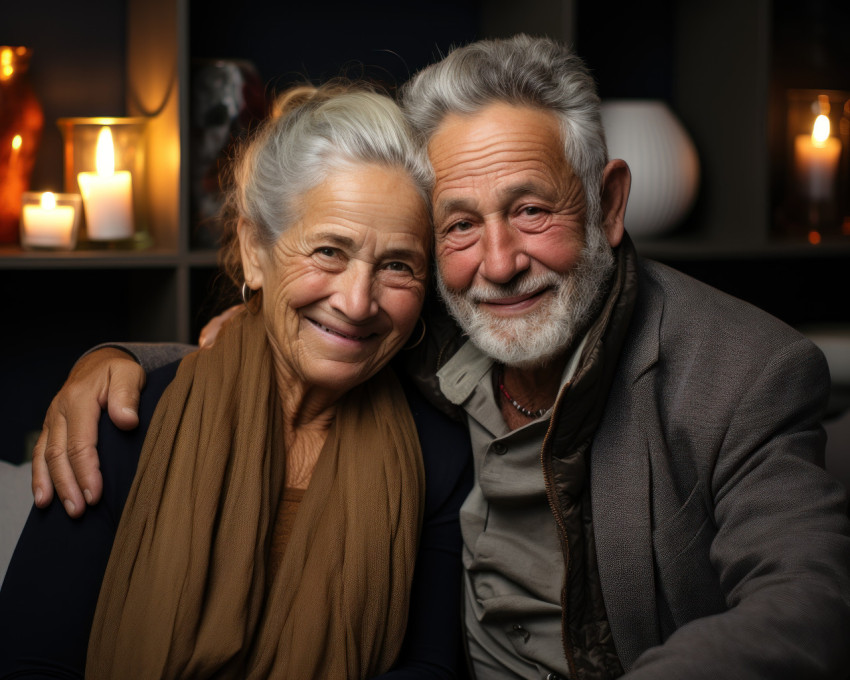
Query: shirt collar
[[465, 376]]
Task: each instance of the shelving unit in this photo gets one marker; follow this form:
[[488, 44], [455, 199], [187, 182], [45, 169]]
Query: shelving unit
[[721, 66], [712, 61]]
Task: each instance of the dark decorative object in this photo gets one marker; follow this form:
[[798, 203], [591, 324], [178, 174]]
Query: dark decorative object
[[21, 122], [227, 98]]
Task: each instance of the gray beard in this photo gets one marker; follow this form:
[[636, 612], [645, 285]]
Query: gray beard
[[545, 333]]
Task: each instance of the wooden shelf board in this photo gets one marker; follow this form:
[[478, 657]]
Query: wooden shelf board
[[704, 249], [13, 257]]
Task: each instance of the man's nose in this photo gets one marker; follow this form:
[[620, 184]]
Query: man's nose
[[504, 253], [355, 294]]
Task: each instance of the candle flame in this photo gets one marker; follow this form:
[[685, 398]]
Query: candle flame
[[16, 142], [820, 131], [7, 66], [48, 200], [105, 154]]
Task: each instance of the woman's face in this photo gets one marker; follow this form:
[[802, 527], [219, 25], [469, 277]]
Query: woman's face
[[343, 287]]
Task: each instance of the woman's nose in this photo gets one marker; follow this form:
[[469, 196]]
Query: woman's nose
[[355, 296]]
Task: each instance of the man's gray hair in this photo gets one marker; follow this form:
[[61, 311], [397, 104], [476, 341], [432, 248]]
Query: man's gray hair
[[525, 71]]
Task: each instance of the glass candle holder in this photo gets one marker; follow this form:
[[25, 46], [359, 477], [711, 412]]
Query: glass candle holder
[[817, 165], [105, 162], [49, 220]]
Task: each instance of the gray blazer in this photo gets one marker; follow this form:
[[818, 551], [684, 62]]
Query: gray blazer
[[717, 531]]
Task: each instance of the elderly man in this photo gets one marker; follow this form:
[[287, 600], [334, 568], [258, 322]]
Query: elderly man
[[648, 499]]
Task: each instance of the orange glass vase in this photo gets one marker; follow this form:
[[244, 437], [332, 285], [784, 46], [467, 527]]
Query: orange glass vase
[[21, 123]]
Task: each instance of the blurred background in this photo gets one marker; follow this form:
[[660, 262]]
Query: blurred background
[[712, 104]]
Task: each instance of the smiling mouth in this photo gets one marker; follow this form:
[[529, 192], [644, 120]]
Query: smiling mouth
[[331, 331], [516, 299]]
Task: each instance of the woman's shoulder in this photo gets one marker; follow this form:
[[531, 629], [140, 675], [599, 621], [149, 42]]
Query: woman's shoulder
[[119, 450], [446, 449]]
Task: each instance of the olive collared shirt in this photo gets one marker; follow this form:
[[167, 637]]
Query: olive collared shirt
[[514, 567]]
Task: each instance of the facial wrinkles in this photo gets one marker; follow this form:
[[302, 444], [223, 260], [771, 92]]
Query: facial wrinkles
[[537, 337], [487, 165], [472, 155], [365, 231]]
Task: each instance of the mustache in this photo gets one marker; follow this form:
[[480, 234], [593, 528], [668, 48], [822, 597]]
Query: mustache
[[523, 285]]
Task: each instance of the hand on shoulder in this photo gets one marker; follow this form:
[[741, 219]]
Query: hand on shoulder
[[65, 453]]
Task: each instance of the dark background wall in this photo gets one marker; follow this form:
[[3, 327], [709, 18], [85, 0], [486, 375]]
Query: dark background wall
[[633, 49], [77, 66]]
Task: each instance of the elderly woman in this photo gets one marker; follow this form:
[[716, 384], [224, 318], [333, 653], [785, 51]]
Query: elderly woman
[[272, 526]]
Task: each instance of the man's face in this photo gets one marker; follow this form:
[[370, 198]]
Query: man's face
[[510, 215]]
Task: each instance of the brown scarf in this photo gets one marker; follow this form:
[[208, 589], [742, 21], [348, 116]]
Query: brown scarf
[[186, 592]]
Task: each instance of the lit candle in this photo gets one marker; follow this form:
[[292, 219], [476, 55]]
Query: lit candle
[[816, 160], [48, 225], [17, 141], [107, 195]]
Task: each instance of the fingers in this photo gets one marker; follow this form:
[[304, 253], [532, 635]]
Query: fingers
[[126, 380], [210, 331], [51, 465], [71, 452], [42, 486], [59, 467], [65, 454]]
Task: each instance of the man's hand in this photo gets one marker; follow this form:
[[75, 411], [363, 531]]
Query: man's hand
[[65, 453], [210, 331]]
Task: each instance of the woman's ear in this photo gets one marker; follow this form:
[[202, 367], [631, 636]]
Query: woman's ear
[[250, 251], [616, 182]]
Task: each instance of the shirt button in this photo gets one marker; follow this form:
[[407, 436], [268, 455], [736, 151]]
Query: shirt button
[[522, 632], [499, 449]]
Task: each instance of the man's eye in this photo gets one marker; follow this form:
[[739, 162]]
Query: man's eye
[[326, 251], [531, 210], [463, 225]]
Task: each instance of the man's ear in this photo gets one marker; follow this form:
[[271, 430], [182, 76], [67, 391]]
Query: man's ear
[[616, 182], [251, 255]]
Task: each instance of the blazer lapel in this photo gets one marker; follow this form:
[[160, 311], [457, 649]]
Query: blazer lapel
[[621, 489]]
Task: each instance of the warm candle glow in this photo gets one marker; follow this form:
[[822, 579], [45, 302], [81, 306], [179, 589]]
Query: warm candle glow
[[46, 224], [105, 154], [16, 142], [820, 131], [48, 200], [7, 67], [816, 161], [107, 194]]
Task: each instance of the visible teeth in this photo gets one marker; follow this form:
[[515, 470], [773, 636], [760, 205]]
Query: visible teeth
[[342, 335]]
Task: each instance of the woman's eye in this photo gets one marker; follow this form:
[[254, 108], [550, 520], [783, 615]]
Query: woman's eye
[[399, 267], [329, 258]]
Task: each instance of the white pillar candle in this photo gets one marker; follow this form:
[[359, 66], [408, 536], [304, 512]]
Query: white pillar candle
[[107, 195], [48, 225], [816, 161]]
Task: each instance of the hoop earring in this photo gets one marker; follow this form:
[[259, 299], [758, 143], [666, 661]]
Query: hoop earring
[[247, 295], [421, 337]]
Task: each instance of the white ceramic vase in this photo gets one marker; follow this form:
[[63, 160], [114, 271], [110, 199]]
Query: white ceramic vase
[[663, 161]]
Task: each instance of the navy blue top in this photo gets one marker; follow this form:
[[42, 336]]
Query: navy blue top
[[51, 588]]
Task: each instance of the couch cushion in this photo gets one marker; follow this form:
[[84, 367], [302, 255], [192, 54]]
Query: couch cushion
[[15, 505]]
